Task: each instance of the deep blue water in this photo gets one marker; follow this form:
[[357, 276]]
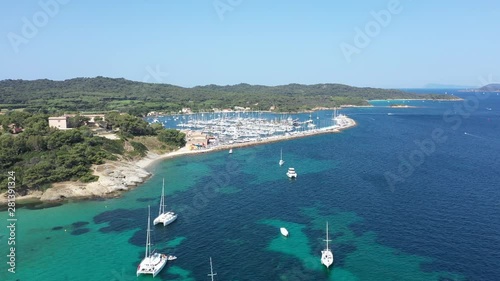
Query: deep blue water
[[439, 221]]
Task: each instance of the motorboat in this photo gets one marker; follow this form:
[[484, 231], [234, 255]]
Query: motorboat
[[284, 231], [291, 173]]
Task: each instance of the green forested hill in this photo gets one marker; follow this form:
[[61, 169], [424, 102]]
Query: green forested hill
[[101, 93], [41, 155]]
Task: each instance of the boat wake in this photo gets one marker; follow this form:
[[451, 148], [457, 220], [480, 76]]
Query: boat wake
[[475, 136]]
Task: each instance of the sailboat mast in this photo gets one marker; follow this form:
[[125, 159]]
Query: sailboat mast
[[212, 274], [162, 200], [148, 236], [327, 235]]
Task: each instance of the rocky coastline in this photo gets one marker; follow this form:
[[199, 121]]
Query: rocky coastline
[[119, 176]]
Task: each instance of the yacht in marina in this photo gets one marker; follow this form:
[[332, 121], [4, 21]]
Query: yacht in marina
[[326, 254], [164, 217], [153, 262], [291, 173]]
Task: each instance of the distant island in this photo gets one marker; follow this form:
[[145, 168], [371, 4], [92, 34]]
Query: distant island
[[493, 87], [138, 98], [445, 86], [490, 88]]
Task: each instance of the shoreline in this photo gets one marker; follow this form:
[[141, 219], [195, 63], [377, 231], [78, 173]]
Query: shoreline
[[454, 99], [340, 107], [116, 177], [147, 162]]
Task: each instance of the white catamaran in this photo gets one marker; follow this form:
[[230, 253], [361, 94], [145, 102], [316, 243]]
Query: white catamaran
[[281, 158], [326, 254], [153, 262], [212, 274], [164, 217]]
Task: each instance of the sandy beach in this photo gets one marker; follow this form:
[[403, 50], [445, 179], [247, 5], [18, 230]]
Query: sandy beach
[[119, 176]]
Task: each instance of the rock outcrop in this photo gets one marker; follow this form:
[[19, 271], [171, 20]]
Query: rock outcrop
[[114, 176]]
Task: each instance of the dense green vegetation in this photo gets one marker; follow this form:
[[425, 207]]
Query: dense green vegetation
[[41, 155], [137, 98]]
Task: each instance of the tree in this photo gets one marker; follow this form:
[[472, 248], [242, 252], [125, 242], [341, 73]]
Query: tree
[[172, 137], [60, 138], [156, 127], [77, 121]]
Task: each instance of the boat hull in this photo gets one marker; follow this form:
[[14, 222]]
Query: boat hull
[[165, 218], [152, 265], [291, 173], [326, 258], [284, 232]]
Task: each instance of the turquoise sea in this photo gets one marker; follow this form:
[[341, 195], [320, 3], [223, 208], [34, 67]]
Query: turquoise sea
[[409, 194]]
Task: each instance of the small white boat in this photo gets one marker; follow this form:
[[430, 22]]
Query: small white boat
[[165, 218], [281, 158], [153, 262], [284, 232], [291, 173], [230, 151], [326, 254], [171, 258]]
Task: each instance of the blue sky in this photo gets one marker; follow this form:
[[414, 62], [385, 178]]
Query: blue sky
[[268, 42]]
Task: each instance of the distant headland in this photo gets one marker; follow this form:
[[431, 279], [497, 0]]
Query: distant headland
[[138, 98], [493, 87]]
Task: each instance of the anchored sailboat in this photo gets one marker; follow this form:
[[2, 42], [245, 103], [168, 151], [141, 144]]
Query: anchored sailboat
[[326, 254], [153, 262], [281, 158], [164, 217], [212, 274]]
